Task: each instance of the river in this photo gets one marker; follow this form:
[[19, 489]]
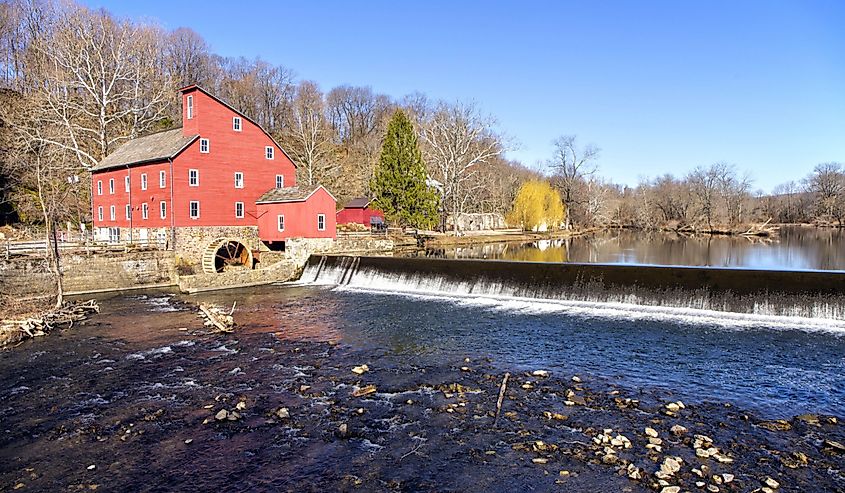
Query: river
[[793, 248], [127, 401]]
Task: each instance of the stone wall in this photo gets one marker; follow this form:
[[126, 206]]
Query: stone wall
[[191, 242], [299, 249], [484, 221], [81, 272], [118, 270], [278, 272]]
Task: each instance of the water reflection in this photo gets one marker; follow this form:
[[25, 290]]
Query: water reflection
[[794, 248]]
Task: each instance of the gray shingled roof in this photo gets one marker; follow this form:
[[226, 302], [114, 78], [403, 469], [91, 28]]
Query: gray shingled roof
[[358, 203], [288, 194], [155, 147]]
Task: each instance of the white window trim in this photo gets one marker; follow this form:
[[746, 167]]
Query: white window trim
[[162, 209], [128, 212], [126, 182], [241, 173], [162, 179], [241, 204], [197, 173], [190, 107], [269, 153], [100, 213], [280, 181], [99, 187], [112, 213], [145, 211], [190, 209], [207, 144], [323, 216], [280, 222], [237, 124], [143, 181], [111, 186]]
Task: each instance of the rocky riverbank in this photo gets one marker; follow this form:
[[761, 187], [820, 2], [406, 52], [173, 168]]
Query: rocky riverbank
[[182, 408]]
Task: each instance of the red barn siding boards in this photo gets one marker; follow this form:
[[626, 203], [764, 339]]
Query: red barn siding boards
[[176, 152], [300, 212]]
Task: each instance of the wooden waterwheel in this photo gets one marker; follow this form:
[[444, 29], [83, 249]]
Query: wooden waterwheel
[[225, 254]]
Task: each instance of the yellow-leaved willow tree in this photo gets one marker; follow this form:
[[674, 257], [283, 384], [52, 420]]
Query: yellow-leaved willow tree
[[537, 207]]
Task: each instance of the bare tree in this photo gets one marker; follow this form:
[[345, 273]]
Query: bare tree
[[572, 167], [99, 80], [308, 135], [458, 141], [827, 184], [44, 173]]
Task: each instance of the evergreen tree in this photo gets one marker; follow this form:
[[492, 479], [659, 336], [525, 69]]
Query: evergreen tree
[[399, 181]]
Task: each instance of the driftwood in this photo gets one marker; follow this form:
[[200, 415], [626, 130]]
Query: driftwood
[[14, 331], [761, 229], [216, 317], [501, 398]]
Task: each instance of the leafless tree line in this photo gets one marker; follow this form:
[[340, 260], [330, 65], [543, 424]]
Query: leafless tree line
[[77, 83], [90, 81], [713, 198]]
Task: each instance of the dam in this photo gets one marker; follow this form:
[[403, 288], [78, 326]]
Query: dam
[[805, 298]]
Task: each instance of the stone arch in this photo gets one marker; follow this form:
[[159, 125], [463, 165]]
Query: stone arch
[[225, 254]]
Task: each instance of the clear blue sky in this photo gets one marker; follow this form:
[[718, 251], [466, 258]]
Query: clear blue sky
[[659, 86]]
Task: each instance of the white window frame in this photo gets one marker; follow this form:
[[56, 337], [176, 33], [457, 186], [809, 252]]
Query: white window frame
[[280, 222], [162, 209], [280, 181], [162, 179], [193, 177], [191, 209], [190, 107], [100, 213], [239, 205], [114, 235], [205, 143], [126, 183], [143, 181], [112, 213], [269, 152], [239, 183], [145, 211], [128, 212], [99, 187], [319, 217], [237, 124], [111, 186]]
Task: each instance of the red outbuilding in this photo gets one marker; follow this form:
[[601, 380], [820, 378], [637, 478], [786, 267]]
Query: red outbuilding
[[296, 212], [358, 211]]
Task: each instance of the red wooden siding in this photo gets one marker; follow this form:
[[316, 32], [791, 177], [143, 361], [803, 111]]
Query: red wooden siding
[[300, 218], [230, 151], [358, 215]]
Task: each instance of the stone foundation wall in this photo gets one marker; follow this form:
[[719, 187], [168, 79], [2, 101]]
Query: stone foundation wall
[[114, 270], [191, 242], [118, 270], [278, 272], [299, 249]]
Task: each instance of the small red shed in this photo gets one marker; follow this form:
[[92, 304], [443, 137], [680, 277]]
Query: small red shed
[[359, 211], [296, 212]]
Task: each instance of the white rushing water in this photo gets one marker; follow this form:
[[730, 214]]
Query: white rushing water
[[679, 306]]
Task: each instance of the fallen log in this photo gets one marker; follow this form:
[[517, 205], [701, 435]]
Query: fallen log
[[501, 398], [214, 316]]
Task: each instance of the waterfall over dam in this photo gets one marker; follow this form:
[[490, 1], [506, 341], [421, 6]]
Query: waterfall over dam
[[816, 295]]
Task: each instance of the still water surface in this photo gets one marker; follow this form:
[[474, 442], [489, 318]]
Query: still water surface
[[793, 248]]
